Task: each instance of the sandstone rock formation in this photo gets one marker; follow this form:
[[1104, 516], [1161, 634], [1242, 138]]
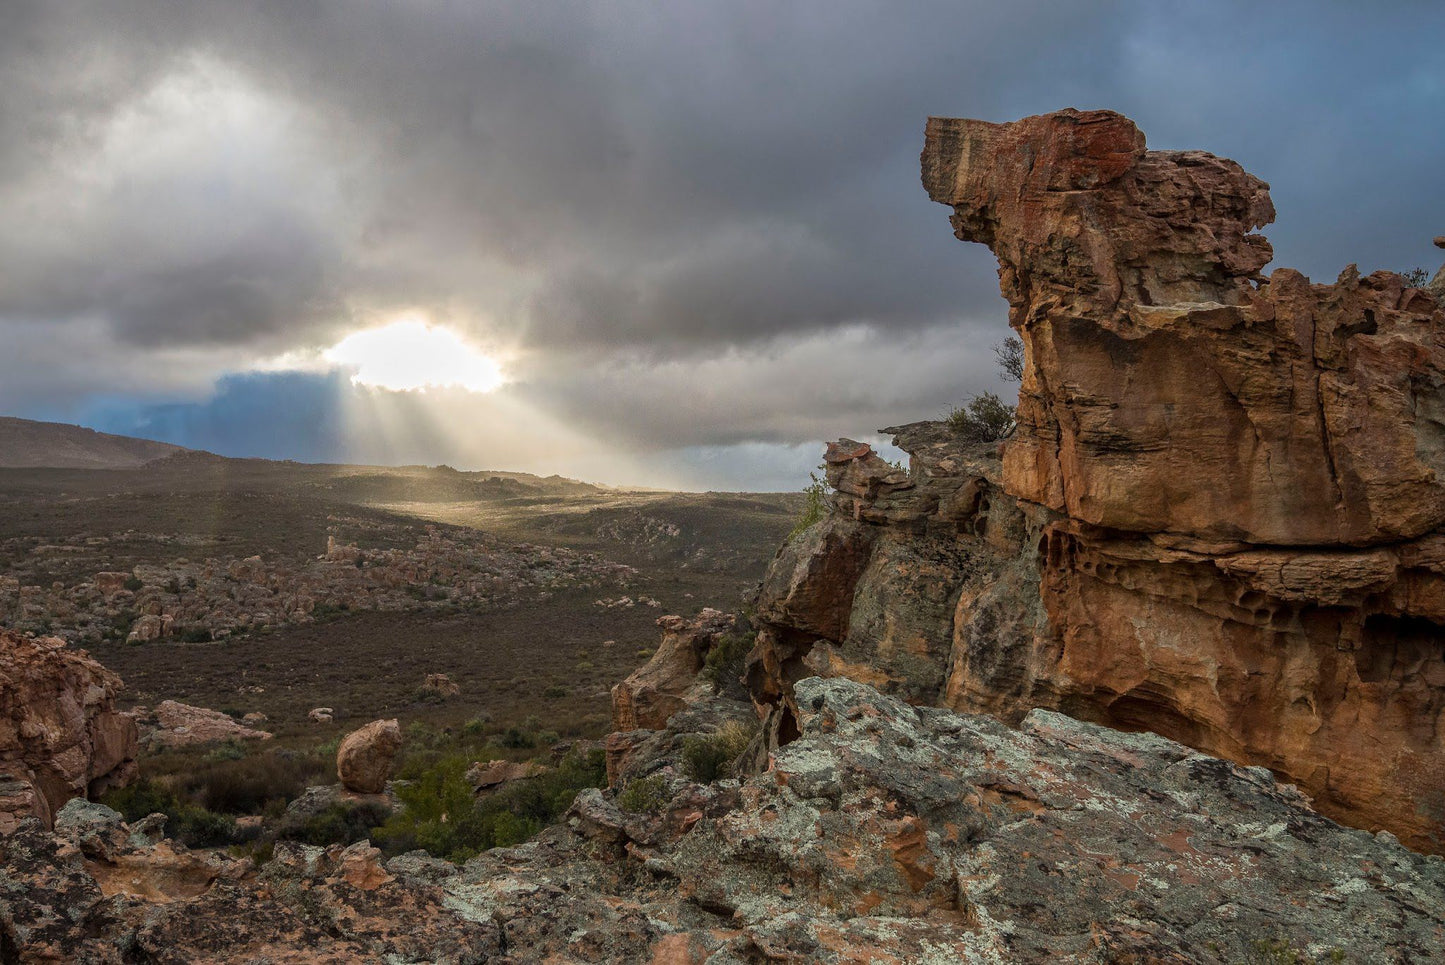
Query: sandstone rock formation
[[883, 833], [654, 692], [61, 736], [365, 756], [174, 724], [487, 777], [1219, 518]]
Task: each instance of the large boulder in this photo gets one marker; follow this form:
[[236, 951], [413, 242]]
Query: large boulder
[[174, 724], [61, 736], [365, 756]]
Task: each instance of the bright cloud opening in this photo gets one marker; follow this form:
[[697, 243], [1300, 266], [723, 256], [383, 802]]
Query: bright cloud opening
[[410, 355]]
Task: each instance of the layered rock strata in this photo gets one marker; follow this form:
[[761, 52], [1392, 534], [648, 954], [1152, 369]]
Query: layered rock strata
[[883, 833], [1219, 517], [61, 736]]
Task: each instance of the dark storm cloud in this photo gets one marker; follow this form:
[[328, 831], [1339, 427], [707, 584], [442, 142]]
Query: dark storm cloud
[[678, 212]]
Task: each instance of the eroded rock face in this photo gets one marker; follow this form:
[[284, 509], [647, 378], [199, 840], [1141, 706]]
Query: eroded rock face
[[364, 756], [60, 734], [1219, 518], [656, 691], [1168, 385], [883, 833], [1248, 467]]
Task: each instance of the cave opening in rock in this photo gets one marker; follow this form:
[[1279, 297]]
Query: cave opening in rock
[[1389, 641]]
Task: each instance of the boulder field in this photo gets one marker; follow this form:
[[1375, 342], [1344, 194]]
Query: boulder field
[[1219, 517]]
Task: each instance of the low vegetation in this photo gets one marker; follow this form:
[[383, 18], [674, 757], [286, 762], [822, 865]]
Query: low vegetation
[[983, 418], [646, 795], [441, 817], [725, 661], [708, 757], [815, 505]]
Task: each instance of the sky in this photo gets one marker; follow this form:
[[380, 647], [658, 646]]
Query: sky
[[688, 240]]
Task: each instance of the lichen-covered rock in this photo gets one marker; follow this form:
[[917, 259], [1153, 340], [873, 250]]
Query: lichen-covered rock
[[365, 756], [61, 736], [884, 832]]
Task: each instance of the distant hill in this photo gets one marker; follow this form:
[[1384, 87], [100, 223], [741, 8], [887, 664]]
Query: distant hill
[[32, 445]]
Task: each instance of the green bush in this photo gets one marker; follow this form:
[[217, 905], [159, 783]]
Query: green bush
[[341, 824], [708, 757], [984, 418], [441, 816], [815, 505], [555, 691], [724, 662], [646, 795], [1416, 277], [134, 584], [191, 824]]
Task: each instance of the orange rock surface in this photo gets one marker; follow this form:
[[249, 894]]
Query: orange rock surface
[[60, 734], [1245, 473]]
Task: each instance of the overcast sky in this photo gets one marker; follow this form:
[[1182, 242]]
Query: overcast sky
[[693, 233]]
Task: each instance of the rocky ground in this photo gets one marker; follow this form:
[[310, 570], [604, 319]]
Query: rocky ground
[[884, 832]]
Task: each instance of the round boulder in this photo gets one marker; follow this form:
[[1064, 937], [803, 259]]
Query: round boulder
[[363, 761]]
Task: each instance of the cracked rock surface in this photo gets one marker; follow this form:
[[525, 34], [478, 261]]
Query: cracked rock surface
[[902, 833]]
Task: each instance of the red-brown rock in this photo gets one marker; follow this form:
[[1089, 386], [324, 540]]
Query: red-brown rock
[[60, 734], [1238, 480], [365, 756], [654, 692]]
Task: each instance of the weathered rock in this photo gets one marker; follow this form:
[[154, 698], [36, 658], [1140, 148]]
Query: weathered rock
[[492, 775], [359, 809], [60, 734], [1218, 519], [320, 715], [654, 692], [883, 833], [365, 756], [174, 724], [1248, 467]]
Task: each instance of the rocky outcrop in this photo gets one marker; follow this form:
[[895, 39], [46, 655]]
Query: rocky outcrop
[[883, 833], [1218, 519], [61, 736], [488, 777], [174, 724], [656, 691], [365, 756]]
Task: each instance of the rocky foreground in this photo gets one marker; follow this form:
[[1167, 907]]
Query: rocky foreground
[[883, 833]]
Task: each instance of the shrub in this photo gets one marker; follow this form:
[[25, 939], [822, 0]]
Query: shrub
[[442, 817], [815, 505], [724, 662], [555, 691], [1010, 357], [1416, 277], [341, 824], [517, 738], [984, 418], [646, 795], [134, 584], [193, 825], [709, 757]]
